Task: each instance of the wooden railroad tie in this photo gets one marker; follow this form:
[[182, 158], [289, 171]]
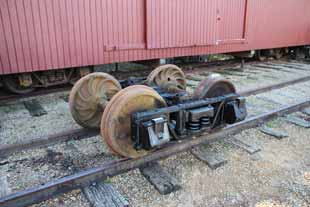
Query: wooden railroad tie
[[298, 121], [4, 187], [249, 148], [104, 195], [213, 159], [163, 182], [273, 132], [34, 108]]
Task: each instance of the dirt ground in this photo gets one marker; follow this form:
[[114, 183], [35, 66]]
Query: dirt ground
[[277, 176]]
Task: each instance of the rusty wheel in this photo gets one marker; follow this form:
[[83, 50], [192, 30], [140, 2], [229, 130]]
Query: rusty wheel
[[214, 85], [89, 96], [168, 77], [11, 83], [278, 53], [260, 56], [116, 119]]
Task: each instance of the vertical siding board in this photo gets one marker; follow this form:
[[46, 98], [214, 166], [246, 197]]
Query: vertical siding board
[[4, 54], [66, 30], [107, 27], [45, 34], [114, 31], [32, 36], [120, 26], [80, 15], [125, 29], [52, 33], [88, 30], [19, 50], [73, 35], [94, 20], [134, 30], [39, 34], [110, 28], [8, 34], [23, 28], [99, 31], [58, 33], [131, 54]]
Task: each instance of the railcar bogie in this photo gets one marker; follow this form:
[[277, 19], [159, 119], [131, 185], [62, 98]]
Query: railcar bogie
[[149, 113]]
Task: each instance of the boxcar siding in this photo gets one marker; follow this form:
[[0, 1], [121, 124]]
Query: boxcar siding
[[231, 19], [167, 27], [40, 35]]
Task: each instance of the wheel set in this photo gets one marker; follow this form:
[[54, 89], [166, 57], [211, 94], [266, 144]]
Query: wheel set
[[135, 120]]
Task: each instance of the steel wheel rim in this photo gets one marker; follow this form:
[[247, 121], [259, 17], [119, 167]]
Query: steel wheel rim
[[89, 97], [115, 123], [168, 77], [214, 85]]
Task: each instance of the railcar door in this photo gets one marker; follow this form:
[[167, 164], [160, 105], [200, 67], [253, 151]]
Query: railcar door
[[231, 17], [181, 23], [123, 24], [188, 23]]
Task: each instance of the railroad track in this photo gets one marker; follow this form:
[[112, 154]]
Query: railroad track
[[78, 134], [86, 177]]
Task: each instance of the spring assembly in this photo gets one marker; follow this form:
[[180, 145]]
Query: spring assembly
[[193, 126], [205, 121]]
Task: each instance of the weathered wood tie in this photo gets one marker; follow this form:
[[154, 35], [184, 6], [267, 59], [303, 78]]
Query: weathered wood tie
[[104, 195], [34, 108], [249, 148], [163, 182], [213, 159]]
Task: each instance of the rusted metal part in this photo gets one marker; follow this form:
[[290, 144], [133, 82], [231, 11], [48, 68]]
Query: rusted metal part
[[6, 150], [85, 178], [263, 89], [116, 119], [12, 83], [89, 97], [214, 85], [169, 77]]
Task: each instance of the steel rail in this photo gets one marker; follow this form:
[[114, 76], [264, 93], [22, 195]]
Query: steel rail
[[263, 89], [78, 134], [84, 178]]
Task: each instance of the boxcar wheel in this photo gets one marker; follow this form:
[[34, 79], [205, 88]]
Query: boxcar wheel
[[169, 77], [116, 119], [11, 83], [89, 97]]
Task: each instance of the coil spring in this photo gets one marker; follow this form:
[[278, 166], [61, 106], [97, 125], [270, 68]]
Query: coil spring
[[193, 126], [204, 121]]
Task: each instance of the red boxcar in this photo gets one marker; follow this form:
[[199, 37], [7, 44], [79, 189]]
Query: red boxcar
[[38, 35]]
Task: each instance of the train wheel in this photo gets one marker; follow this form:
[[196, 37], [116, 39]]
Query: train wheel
[[116, 119], [89, 97], [259, 56], [11, 83], [213, 86], [278, 54], [168, 77]]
